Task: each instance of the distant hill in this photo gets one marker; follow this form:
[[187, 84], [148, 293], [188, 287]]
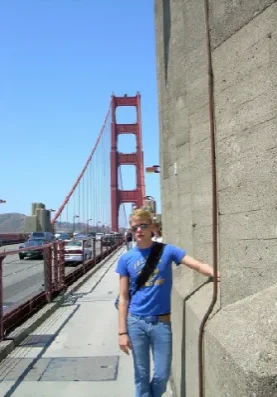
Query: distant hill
[[68, 227], [12, 223]]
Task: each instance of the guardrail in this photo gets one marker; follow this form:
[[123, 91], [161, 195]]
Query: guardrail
[[12, 238], [55, 279]]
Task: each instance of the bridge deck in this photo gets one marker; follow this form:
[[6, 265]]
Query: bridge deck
[[74, 352]]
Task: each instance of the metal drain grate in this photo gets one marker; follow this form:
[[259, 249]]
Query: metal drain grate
[[59, 369], [82, 369]]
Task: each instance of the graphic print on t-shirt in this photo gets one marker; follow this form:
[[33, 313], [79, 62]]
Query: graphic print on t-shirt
[[154, 278]]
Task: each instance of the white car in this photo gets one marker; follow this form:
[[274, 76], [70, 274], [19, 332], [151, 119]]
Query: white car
[[98, 236], [77, 251]]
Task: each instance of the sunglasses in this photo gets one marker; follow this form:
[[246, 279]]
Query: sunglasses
[[143, 226]]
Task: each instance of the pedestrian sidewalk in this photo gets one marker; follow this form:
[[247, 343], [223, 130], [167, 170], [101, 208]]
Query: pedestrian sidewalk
[[75, 351]]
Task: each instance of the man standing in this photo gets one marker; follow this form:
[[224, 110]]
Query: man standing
[[144, 320], [128, 240]]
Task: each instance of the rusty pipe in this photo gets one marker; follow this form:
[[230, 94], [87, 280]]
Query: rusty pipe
[[214, 204]]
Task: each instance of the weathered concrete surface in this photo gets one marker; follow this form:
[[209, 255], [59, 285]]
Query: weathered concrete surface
[[244, 44], [227, 17]]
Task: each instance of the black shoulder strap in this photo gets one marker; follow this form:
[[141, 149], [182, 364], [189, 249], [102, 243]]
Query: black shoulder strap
[[150, 265]]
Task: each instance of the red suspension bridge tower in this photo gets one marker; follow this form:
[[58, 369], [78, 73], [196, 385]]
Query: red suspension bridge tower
[[137, 195]]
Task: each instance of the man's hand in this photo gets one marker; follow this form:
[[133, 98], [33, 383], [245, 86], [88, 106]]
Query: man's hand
[[124, 343], [211, 278]]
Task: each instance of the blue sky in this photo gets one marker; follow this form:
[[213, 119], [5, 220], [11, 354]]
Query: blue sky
[[60, 60]]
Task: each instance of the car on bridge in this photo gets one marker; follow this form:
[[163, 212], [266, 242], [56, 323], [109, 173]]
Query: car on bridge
[[63, 237], [32, 243], [91, 234], [99, 236], [108, 240], [80, 236], [42, 235], [77, 250]]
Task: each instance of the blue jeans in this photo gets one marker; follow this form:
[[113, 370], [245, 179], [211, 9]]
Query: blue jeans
[[128, 245], [147, 333]]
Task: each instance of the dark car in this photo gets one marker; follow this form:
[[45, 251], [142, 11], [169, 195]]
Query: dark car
[[63, 236], [41, 236], [32, 253], [108, 240], [91, 234], [80, 236]]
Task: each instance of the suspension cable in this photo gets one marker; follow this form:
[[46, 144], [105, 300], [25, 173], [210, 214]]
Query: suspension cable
[[83, 170]]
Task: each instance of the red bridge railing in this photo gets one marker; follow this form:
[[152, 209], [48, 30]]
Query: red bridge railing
[[12, 238], [55, 280]]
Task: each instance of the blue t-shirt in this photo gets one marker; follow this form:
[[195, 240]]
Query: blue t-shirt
[[153, 298]]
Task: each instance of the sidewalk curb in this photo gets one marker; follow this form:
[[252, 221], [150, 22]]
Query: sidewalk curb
[[19, 334]]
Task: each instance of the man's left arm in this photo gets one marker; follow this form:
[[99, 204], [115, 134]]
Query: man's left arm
[[202, 268]]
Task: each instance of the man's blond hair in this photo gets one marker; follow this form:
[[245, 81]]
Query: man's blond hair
[[141, 214]]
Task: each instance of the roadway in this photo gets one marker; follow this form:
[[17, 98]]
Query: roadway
[[24, 278]]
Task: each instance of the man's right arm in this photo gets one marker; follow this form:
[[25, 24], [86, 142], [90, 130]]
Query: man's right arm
[[123, 303]]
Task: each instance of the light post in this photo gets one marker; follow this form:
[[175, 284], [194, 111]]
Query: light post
[[88, 224], [74, 217]]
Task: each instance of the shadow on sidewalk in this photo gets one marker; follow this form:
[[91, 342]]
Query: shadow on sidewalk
[[38, 340]]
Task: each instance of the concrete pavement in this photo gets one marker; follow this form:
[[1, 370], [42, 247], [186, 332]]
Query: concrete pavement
[[75, 352]]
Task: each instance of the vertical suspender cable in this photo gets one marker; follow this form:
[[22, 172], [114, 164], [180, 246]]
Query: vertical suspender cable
[[79, 203], [84, 203], [83, 170], [87, 200], [124, 207], [102, 181], [94, 195]]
